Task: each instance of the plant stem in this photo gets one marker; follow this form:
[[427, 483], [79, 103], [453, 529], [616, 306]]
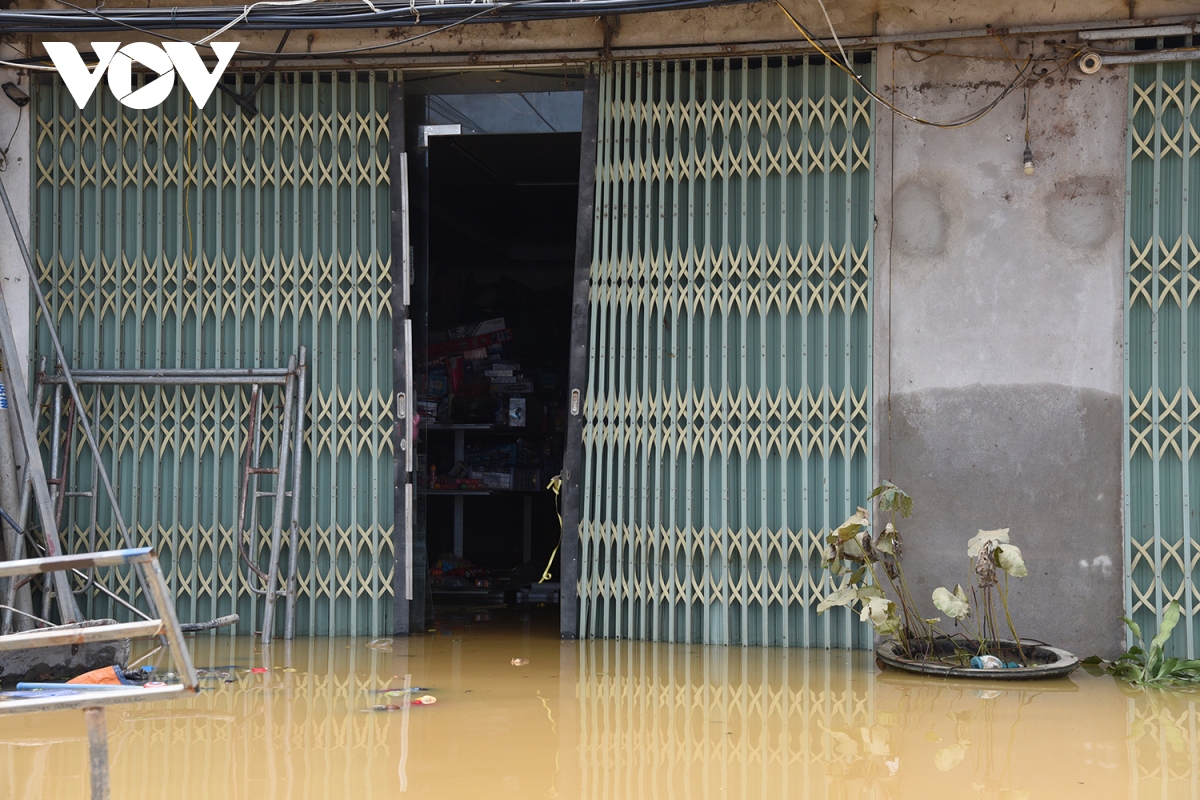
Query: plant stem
[[1012, 628]]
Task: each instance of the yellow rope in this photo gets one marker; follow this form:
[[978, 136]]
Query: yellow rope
[[555, 485]]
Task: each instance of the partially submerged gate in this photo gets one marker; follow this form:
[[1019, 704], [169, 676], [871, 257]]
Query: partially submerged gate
[[726, 422], [1162, 350], [178, 237]]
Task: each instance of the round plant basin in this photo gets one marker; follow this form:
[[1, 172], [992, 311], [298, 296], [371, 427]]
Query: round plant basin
[[1048, 662]]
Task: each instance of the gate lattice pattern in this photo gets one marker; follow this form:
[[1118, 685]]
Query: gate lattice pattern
[[1162, 350], [179, 237], [727, 416]]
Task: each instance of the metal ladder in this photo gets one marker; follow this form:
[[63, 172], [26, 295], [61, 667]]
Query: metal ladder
[[293, 381], [290, 438]]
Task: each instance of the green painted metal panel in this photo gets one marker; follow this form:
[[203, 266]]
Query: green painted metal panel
[[178, 237], [1162, 349], [727, 415]]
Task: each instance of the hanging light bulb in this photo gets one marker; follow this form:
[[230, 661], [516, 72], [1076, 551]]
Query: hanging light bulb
[[1028, 160]]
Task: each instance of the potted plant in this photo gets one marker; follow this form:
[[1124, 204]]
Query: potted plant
[[871, 574]]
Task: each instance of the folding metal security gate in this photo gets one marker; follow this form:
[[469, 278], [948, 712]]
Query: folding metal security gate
[[726, 422], [1162, 349], [178, 237]]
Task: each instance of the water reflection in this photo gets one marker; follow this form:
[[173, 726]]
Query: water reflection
[[605, 720]]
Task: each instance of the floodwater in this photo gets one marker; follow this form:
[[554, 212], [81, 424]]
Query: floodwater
[[608, 720]]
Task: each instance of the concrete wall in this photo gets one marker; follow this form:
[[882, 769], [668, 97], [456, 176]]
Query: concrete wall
[[15, 175], [999, 331]]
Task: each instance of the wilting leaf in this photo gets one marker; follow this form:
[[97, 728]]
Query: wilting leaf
[[881, 613], [853, 548], [886, 543], [842, 597], [952, 604], [854, 524], [858, 575], [1008, 558], [1134, 628], [867, 592], [984, 537]]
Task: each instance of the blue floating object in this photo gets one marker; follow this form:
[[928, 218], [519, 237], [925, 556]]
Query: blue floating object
[[976, 662], [1012, 665]]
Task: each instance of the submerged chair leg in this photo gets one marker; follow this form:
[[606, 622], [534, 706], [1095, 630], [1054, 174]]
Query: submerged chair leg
[[97, 732]]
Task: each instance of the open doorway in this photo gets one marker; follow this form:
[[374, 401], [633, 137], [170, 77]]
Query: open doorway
[[501, 221]]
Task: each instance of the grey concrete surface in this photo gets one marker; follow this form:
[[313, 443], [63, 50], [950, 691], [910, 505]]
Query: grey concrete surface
[[1034, 458], [998, 344]]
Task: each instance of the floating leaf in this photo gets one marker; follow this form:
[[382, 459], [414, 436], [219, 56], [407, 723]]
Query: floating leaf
[[952, 604], [985, 537], [842, 597], [1008, 558]]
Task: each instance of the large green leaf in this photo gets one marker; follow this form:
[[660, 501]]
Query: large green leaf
[[1134, 627], [984, 537], [1169, 621]]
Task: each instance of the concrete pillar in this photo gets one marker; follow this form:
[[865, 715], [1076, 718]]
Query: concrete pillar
[[998, 346]]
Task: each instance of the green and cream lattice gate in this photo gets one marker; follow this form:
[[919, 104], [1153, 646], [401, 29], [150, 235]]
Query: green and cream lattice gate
[[727, 415], [179, 237], [1162, 349]]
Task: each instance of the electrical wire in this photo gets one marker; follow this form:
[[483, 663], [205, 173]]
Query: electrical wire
[[319, 16], [836, 41], [970, 119], [15, 65], [966, 56], [4, 152], [501, 10], [246, 13]]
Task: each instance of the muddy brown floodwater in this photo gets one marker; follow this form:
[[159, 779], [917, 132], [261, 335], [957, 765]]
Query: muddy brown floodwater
[[606, 719]]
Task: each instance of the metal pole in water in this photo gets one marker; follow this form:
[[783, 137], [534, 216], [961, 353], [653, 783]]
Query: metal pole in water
[[97, 732]]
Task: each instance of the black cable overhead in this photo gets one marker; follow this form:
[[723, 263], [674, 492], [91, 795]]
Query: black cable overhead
[[324, 16]]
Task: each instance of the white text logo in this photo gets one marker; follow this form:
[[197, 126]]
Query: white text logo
[[167, 60]]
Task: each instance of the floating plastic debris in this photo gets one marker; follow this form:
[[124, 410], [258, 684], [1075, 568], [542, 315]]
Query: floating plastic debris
[[986, 662]]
